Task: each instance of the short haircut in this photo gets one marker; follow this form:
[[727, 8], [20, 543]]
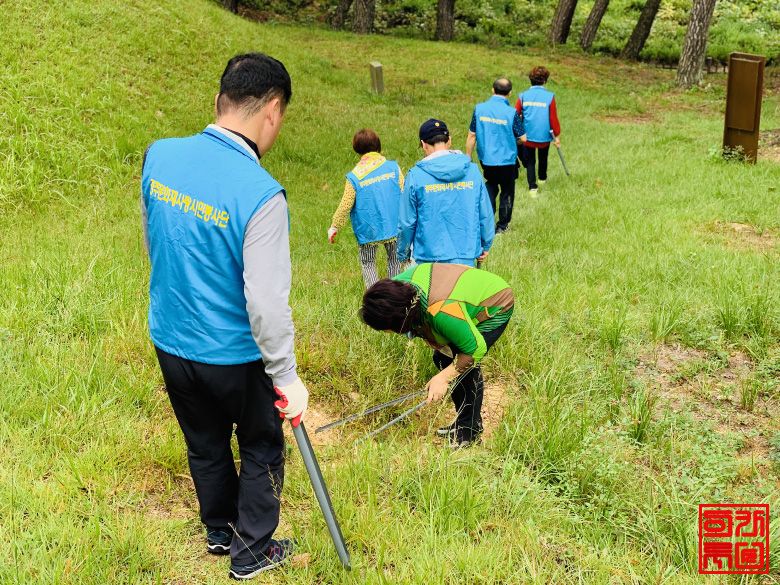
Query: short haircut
[[252, 80], [434, 140], [366, 140], [502, 86], [391, 305], [539, 75]]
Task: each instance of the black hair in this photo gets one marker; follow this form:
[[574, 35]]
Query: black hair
[[391, 305], [437, 139], [502, 86], [250, 81]]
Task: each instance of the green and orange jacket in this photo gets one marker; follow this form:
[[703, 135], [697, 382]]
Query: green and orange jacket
[[457, 304]]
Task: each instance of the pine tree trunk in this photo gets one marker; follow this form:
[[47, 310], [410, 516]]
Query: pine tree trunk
[[445, 20], [689, 70], [641, 31], [592, 24], [363, 16], [561, 24], [231, 5], [340, 16]]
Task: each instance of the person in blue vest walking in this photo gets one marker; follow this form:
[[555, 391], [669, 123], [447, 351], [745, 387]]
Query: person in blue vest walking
[[372, 194], [540, 118], [445, 212], [216, 229], [496, 129]]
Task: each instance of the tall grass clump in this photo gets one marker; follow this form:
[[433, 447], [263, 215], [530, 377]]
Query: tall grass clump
[[664, 322]]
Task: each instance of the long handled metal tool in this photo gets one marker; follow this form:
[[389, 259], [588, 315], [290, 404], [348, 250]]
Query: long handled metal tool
[[397, 419], [560, 155], [321, 491], [372, 409]]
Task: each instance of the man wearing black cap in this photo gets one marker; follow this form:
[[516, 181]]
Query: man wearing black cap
[[445, 214], [495, 130]]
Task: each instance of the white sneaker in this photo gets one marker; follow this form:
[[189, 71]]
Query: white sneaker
[[534, 193], [541, 182]]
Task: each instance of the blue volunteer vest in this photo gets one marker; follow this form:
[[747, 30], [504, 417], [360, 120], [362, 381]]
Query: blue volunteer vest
[[496, 144], [375, 213], [448, 217], [536, 113], [200, 192]]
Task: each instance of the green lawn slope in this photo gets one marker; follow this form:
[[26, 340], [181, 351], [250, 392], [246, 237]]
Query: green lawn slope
[[639, 375]]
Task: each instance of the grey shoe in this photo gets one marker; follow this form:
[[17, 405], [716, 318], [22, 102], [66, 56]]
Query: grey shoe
[[277, 553]]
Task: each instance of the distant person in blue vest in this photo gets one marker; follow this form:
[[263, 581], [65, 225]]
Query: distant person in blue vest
[[216, 230], [445, 213], [372, 194], [495, 129], [540, 119]]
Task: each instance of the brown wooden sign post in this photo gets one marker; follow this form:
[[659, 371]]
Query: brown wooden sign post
[[743, 104], [377, 81]]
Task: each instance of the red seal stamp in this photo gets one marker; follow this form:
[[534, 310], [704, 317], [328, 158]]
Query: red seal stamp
[[734, 539]]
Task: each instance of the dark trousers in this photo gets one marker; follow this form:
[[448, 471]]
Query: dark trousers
[[501, 179], [529, 162], [208, 400], [468, 392]]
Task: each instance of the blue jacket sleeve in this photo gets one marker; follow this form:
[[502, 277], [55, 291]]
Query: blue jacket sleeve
[[486, 218], [407, 219]]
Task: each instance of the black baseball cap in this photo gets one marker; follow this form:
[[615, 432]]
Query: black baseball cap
[[431, 128]]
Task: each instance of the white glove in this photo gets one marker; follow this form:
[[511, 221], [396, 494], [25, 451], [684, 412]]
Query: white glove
[[293, 401], [332, 234]]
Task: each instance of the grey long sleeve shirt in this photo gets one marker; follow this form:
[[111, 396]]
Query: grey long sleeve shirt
[[267, 281]]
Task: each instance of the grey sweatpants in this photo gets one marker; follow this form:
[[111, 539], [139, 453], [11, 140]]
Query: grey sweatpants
[[367, 253]]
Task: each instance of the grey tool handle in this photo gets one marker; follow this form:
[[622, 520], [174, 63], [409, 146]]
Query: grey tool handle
[[560, 156], [321, 491]]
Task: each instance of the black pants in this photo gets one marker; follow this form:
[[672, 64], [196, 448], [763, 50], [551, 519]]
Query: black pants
[[529, 162], [501, 179], [208, 400], [468, 392]]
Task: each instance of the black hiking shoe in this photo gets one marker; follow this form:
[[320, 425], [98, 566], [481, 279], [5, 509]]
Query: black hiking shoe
[[464, 438], [446, 430], [218, 541], [277, 553]]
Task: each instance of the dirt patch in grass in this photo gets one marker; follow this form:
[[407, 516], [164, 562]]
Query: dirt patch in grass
[[744, 236], [626, 118], [769, 146], [168, 498], [709, 387], [494, 405], [316, 416]]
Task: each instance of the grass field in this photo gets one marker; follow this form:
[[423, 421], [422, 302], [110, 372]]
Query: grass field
[[641, 367]]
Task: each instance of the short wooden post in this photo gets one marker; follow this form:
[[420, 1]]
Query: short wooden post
[[744, 91], [377, 80]]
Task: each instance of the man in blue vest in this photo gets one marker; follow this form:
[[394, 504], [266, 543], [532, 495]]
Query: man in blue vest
[[445, 209], [495, 130], [216, 230]]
